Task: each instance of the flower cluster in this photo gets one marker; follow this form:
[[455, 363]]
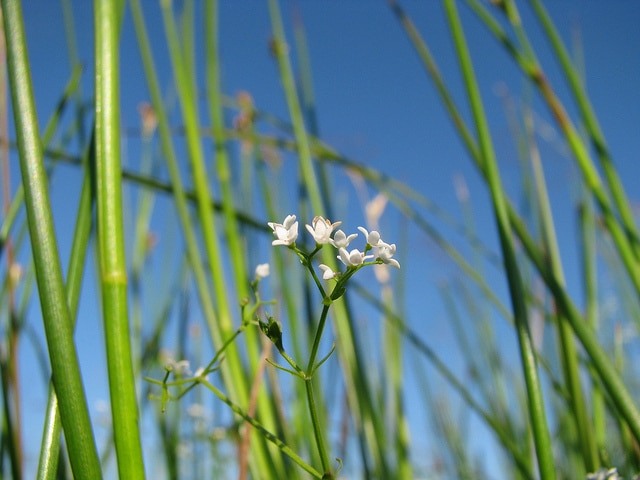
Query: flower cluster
[[322, 229]]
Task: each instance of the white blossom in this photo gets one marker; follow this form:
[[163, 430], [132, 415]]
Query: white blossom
[[262, 270], [373, 237], [353, 258], [340, 239], [286, 232], [604, 474], [327, 273], [321, 229], [179, 367], [385, 252]]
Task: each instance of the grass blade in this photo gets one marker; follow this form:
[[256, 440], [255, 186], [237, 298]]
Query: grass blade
[[55, 312], [113, 268]]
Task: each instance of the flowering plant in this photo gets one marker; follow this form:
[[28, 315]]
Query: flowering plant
[[375, 252]]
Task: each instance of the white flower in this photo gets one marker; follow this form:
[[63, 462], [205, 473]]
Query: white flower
[[287, 231], [373, 237], [604, 474], [200, 373], [385, 252], [180, 367], [197, 410], [353, 258], [340, 239], [321, 229], [262, 270], [327, 273]]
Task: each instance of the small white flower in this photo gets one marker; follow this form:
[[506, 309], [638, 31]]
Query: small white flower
[[340, 239], [373, 237], [286, 232], [353, 258], [262, 270], [385, 252], [200, 373], [327, 273], [197, 410], [604, 474], [321, 229], [180, 367]]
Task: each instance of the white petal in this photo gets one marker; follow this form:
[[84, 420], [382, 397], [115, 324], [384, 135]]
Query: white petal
[[344, 256], [289, 221], [327, 272]]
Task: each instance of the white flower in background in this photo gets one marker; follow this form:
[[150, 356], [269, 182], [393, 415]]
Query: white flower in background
[[604, 474], [286, 232], [327, 273], [353, 258], [385, 252], [197, 410], [322, 229], [262, 270], [373, 237], [375, 208], [340, 239], [180, 367]]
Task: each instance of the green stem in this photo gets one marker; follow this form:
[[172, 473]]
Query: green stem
[[317, 430], [267, 434], [568, 351], [50, 446], [591, 122], [527, 353], [316, 340], [55, 312], [111, 243]]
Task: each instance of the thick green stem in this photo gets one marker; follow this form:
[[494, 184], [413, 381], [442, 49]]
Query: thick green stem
[[55, 312], [113, 269]]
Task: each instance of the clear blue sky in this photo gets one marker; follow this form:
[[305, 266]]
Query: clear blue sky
[[376, 105]]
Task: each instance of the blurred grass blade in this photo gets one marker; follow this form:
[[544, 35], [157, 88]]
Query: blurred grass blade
[[602, 364], [47, 135], [113, 268], [589, 265], [593, 128], [55, 312], [626, 241], [235, 244], [538, 420], [567, 345]]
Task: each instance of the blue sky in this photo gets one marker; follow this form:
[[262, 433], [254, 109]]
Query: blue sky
[[375, 104]]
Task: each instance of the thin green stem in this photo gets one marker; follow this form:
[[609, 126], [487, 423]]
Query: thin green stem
[[317, 429], [591, 123], [267, 434], [568, 349], [620, 395], [541, 435], [317, 338], [624, 236], [589, 263]]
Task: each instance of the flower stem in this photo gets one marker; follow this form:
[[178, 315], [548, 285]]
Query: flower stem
[[317, 430], [316, 340]]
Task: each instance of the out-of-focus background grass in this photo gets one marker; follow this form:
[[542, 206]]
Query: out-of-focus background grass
[[343, 114]]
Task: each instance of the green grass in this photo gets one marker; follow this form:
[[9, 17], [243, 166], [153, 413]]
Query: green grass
[[299, 387]]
